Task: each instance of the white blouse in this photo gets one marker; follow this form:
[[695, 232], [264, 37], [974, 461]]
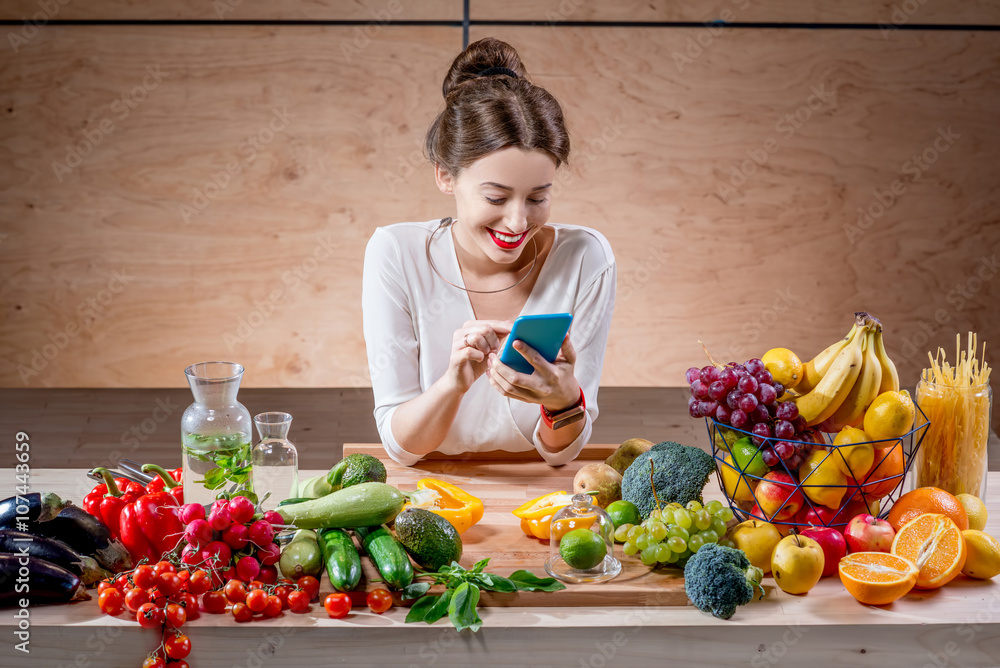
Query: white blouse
[[410, 315]]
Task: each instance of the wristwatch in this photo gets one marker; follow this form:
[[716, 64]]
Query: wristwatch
[[567, 416]]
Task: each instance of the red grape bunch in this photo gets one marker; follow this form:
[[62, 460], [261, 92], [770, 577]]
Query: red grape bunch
[[745, 397]]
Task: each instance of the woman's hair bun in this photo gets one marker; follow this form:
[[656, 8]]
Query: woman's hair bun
[[487, 53]]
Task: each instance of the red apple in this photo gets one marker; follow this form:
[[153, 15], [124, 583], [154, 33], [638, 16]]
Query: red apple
[[783, 527], [865, 533], [833, 544], [817, 516], [777, 493]]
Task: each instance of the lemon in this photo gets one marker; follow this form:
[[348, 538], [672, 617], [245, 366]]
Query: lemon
[[623, 512], [784, 365], [582, 549], [822, 480], [975, 509], [855, 455], [982, 555], [738, 487], [890, 415]]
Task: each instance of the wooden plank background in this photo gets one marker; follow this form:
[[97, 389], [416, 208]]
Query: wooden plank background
[[324, 128]]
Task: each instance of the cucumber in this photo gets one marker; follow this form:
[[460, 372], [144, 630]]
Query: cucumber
[[387, 554], [301, 556], [343, 563], [313, 488], [364, 505]]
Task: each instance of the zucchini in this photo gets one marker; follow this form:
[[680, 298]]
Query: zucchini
[[54, 552], [48, 583], [387, 554], [301, 556], [313, 488], [294, 499], [364, 505], [343, 563]]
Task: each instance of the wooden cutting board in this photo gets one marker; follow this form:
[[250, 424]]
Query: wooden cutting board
[[505, 481]]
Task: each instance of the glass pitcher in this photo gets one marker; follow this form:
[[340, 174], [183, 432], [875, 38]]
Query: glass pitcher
[[215, 433], [275, 461]]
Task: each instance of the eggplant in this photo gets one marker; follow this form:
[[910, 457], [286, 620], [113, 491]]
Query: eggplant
[[38, 581], [84, 567], [83, 533], [36, 507]]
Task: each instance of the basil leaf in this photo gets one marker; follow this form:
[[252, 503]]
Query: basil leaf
[[500, 584], [415, 590], [440, 607], [462, 610], [215, 476], [527, 581], [419, 609], [480, 565]]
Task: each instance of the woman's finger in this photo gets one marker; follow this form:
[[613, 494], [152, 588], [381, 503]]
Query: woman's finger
[[515, 378], [568, 351], [508, 390], [534, 358]]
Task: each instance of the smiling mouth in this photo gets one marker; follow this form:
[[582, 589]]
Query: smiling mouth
[[507, 241]]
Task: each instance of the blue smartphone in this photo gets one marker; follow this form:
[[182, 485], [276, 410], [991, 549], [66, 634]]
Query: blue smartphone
[[544, 333]]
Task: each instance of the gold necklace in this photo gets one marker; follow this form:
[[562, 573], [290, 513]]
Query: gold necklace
[[448, 221]]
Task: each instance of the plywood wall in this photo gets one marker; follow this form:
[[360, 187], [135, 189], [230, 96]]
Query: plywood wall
[[177, 192]]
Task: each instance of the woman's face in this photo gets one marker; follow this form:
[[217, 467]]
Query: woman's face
[[502, 200]]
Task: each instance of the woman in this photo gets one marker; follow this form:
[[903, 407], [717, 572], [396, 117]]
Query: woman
[[440, 296]]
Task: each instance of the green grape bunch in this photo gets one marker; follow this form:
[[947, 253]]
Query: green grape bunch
[[671, 534]]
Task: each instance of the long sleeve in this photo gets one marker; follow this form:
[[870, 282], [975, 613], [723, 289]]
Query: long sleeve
[[589, 336], [390, 338]]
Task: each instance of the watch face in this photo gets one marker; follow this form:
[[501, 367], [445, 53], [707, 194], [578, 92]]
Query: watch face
[[569, 417]]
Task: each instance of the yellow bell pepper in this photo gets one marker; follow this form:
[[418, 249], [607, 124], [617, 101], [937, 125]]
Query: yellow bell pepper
[[450, 502], [536, 515]]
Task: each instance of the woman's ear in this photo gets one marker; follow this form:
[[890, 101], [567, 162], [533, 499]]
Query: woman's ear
[[445, 181]]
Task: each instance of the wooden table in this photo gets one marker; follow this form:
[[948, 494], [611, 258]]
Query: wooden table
[[956, 625]]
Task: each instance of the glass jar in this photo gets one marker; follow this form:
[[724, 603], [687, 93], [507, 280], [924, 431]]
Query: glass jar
[[274, 462], [215, 433], [953, 454], [581, 543]]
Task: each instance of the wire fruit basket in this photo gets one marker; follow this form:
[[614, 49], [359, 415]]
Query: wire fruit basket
[[790, 495]]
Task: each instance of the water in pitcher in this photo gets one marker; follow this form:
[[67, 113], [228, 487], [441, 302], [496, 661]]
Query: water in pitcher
[[202, 456]]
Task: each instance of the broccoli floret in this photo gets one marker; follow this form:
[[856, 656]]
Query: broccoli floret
[[717, 579], [679, 473]]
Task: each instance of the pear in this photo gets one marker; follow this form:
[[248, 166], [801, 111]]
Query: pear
[[600, 478], [627, 452]]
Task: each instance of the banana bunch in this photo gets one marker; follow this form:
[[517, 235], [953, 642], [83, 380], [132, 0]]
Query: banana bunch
[[840, 383]]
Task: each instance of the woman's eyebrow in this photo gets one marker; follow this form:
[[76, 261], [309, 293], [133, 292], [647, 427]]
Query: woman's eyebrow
[[503, 187]]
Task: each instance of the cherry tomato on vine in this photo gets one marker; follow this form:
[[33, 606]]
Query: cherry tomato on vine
[[298, 601], [177, 646], [379, 600], [214, 602], [121, 582], [274, 606], [144, 576], [179, 664], [162, 567], [169, 584], [257, 600], [235, 591], [242, 613], [337, 605], [175, 615], [105, 584], [149, 616], [310, 585], [111, 602], [200, 582], [153, 662], [135, 598], [282, 592], [189, 602]]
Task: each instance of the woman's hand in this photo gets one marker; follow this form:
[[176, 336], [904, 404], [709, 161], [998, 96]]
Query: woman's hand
[[553, 385], [471, 345]]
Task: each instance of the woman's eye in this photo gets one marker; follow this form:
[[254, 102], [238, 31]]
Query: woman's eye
[[537, 201], [494, 201], [501, 201]]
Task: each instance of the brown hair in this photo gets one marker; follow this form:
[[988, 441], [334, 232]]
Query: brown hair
[[486, 113]]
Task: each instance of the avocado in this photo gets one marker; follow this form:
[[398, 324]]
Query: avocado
[[354, 470], [430, 539]]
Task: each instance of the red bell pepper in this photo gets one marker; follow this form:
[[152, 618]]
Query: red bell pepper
[[151, 527], [166, 481], [106, 500]]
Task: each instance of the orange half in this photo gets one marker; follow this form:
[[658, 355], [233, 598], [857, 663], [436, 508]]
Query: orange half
[[935, 544], [877, 578]]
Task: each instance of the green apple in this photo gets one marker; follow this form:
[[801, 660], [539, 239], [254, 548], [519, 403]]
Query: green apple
[[797, 564], [757, 539]]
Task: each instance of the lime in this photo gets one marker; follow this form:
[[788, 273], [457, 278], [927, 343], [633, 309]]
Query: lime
[[623, 512], [746, 456], [582, 549]]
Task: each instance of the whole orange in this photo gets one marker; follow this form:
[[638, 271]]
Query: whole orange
[[927, 500], [888, 468]]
